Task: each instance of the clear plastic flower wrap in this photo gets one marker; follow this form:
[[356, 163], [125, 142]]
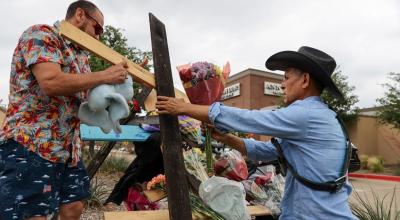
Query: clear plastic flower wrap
[[195, 163], [266, 188], [231, 165], [226, 197], [204, 84]]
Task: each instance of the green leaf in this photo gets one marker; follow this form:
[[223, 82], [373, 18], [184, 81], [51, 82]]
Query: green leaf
[[389, 113], [346, 109], [113, 38]]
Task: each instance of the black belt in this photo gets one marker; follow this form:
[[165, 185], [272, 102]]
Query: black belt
[[330, 186]]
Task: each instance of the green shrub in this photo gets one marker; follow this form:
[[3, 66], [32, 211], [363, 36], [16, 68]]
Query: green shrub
[[375, 164], [114, 164], [375, 208], [98, 193], [364, 161], [397, 169]]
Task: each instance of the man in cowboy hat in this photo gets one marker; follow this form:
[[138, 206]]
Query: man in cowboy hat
[[310, 137]]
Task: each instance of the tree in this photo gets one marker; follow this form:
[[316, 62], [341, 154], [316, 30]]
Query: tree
[[113, 38], [345, 109], [390, 110]]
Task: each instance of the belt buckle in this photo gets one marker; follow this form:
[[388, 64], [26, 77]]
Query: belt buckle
[[282, 165], [339, 184]]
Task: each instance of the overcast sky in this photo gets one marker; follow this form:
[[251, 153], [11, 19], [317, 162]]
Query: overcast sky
[[362, 35]]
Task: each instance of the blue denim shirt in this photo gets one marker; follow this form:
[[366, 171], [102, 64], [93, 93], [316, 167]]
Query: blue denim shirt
[[312, 141]]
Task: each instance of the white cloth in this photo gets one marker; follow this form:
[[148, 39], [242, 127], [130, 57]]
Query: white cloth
[[106, 105]]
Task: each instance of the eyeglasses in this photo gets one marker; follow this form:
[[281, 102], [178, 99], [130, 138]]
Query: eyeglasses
[[98, 29]]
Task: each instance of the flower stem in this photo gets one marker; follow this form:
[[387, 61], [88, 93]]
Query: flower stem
[[210, 168]]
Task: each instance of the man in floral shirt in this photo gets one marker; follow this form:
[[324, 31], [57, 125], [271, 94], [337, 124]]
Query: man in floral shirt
[[40, 168]]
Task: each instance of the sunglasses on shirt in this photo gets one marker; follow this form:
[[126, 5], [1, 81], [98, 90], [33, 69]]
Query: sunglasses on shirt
[[98, 29]]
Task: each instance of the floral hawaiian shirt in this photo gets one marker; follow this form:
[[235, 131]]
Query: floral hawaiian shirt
[[47, 125]]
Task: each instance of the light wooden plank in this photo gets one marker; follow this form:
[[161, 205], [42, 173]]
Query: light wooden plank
[[258, 210], [151, 119], [150, 102], [154, 195], [163, 214], [137, 215], [94, 46], [84, 40]]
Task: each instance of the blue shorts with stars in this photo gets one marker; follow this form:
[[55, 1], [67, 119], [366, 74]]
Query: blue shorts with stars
[[32, 186]]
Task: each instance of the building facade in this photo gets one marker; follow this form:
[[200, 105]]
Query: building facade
[[253, 89], [373, 138]]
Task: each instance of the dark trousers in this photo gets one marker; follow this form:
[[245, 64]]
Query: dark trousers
[[147, 164]]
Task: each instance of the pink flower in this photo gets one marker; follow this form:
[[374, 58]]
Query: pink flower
[[159, 180]]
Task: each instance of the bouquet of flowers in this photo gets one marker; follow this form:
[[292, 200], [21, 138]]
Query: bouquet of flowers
[[189, 127], [136, 200], [231, 165], [199, 208], [266, 188], [204, 84], [157, 182], [195, 161]]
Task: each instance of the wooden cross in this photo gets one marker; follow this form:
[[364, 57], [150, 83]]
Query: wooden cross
[[177, 190]]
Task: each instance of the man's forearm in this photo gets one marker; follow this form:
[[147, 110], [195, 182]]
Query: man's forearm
[[199, 112], [54, 82], [235, 142], [69, 84]]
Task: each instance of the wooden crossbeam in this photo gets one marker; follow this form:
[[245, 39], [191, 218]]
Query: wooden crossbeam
[[96, 47], [153, 119], [163, 214]]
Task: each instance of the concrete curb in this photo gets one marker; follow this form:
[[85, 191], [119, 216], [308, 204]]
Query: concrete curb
[[375, 176]]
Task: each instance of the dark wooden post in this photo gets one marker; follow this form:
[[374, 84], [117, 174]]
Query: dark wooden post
[[177, 190]]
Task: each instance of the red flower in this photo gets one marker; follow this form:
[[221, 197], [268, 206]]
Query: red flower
[[185, 74], [264, 179], [134, 105]]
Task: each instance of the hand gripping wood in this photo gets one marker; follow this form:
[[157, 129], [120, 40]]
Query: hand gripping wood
[[96, 47]]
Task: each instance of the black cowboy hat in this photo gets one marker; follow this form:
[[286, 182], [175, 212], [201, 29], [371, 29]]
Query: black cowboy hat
[[317, 63]]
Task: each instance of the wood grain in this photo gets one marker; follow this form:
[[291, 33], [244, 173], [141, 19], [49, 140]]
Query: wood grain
[[163, 214], [96, 47]]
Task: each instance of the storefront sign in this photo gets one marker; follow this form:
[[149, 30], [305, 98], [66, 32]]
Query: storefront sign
[[271, 88], [231, 91]]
